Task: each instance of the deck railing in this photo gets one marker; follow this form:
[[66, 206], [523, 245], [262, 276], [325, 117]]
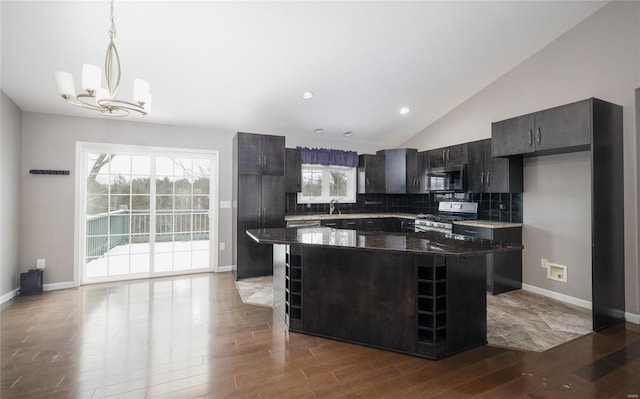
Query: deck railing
[[107, 230]]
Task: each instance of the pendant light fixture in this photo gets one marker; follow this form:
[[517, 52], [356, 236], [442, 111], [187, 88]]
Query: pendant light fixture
[[103, 100]]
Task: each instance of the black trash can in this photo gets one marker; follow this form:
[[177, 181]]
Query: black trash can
[[31, 282]]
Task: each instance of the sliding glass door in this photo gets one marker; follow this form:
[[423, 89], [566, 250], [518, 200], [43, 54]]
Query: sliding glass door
[[147, 212]]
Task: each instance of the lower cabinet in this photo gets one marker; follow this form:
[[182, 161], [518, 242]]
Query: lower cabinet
[[293, 287], [504, 269], [393, 224], [425, 305]]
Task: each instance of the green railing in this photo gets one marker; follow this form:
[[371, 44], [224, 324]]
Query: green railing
[[105, 231]]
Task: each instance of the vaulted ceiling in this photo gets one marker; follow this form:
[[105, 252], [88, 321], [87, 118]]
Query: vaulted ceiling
[[243, 66]]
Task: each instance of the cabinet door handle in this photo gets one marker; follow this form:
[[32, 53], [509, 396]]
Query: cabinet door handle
[[448, 155], [488, 177], [539, 135], [264, 216], [530, 137], [367, 181], [470, 232], [259, 216], [482, 178]]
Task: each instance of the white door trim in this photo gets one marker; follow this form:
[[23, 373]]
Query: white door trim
[[83, 148]]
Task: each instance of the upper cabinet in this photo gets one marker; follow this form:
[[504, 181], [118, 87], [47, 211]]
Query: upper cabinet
[[453, 155], [491, 175], [400, 167], [421, 175], [260, 155], [371, 174], [561, 129], [292, 170]]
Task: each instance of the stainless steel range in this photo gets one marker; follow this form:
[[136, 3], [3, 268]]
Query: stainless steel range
[[448, 212]]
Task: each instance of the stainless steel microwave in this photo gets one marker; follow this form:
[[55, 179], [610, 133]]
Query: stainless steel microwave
[[451, 178]]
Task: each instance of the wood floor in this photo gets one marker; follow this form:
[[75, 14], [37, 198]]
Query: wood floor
[[192, 337]]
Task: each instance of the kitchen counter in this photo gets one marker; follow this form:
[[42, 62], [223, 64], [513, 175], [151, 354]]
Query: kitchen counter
[[428, 243], [325, 216], [488, 224], [421, 294]]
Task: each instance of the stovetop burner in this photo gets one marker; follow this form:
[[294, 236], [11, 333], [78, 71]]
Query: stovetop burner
[[441, 218]]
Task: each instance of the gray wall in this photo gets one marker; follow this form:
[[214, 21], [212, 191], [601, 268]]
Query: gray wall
[[47, 214], [10, 128], [598, 58]]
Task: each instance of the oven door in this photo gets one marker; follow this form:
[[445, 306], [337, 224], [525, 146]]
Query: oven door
[[420, 228]]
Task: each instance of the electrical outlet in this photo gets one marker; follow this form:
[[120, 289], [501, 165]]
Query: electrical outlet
[[222, 246], [544, 263]]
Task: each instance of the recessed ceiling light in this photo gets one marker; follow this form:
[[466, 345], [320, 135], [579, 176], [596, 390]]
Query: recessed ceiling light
[[318, 131], [404, 110], [307, 95], [347, 134]]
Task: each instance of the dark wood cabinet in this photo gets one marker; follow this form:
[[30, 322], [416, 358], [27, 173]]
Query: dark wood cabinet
[[556, 130], [504, 269], [292, 170], [260, 205], [293, 287], [260, 155], [421, 175], [371, 174], [590, 125], [476, 166], [259, 197], [400, 170], [486, 173], [453, 155], [429, 306], [396, 225]]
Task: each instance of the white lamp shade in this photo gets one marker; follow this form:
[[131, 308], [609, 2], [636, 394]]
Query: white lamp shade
[[64, 81], [141, 91], [91, 77]]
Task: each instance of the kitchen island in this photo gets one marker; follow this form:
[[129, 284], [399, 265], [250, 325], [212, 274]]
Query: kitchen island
[[417, 293]]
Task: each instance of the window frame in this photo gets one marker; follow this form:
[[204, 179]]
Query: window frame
[[325, 198]]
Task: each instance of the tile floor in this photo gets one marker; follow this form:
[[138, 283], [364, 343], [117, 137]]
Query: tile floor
[[524, 320], [516, 320]]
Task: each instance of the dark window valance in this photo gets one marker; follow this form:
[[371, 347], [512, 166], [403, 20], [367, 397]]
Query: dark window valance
[[323, 156]]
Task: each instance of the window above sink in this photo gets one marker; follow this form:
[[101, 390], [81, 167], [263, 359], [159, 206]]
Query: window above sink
[[322, 184]]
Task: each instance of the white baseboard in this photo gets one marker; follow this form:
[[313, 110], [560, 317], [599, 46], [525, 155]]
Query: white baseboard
[[632, 317], [560, 297], [224, 269], [9, 296], [58, 286]]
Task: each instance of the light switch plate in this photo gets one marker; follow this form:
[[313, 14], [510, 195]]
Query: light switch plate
[[41, 263]]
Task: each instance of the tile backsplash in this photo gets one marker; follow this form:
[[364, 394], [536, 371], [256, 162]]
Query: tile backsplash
[[491, 206]]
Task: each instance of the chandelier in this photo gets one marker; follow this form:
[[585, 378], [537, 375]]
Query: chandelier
[[103, 100]]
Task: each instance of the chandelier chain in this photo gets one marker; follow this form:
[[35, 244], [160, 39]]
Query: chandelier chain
[[112, 31]]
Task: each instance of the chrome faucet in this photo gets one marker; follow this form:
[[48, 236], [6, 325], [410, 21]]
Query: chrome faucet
[[332, 207]]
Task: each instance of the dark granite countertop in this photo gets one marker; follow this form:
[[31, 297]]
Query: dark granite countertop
[[428, 243]]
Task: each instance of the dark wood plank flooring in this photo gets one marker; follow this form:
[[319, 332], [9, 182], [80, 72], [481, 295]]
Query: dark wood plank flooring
[[192, 337]]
